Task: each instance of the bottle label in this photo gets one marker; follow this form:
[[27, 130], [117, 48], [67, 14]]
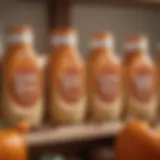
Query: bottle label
[[25, 86], [108, 42], [108, 85], [20, 38], [142, 85], [131, 46], [71, 85], [63, 40]]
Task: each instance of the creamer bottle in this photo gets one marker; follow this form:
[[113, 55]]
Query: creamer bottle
[[67, 79], [104, 79], [141, 85], [132, 45], [22, 79]]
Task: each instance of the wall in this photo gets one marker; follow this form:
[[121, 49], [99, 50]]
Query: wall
[[118, 19], [32, 13]]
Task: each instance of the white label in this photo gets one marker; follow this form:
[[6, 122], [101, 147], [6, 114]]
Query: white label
[[20, 38], [143, 45], [108, 42], [63, 40]]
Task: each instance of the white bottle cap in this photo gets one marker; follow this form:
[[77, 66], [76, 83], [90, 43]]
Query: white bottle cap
[[109, 43], [136, 43], [63, 36], [20, 34], [102, 40], [58, 40], [20, 38]]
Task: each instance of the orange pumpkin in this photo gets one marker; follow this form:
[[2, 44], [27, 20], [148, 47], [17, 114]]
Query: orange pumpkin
[[23, 127], [138, 141], [12, 146]]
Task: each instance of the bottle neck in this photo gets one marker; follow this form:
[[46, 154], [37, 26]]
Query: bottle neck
[[102, 45], [106, 50], [64, 47], [131, 55], [20, 45], [136, 47], [136, 52], [23, 40], [64, 41]]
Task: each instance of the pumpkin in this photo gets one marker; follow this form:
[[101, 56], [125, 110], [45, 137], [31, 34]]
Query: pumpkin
[[23, 127], [137, 141], [12, 146]]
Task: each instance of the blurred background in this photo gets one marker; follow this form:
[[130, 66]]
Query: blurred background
[[122, 17]]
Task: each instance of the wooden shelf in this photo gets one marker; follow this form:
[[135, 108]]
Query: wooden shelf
[[126, 3], [83, 132]]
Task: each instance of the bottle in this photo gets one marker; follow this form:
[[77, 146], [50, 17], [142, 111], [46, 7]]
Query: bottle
[[132, 45], [104, 79], [22, 79], [141, 85], [67, 82]]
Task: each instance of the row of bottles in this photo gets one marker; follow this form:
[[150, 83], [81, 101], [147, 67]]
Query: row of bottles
[[69, 90]]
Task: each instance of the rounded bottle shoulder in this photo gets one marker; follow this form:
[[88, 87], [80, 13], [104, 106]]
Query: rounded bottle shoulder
[[104, 59], [66, 56], [144, 60], [21, 57]]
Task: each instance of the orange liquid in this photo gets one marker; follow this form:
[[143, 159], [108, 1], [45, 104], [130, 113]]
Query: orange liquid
[[104, 82], [22, 82], [68, 80], [141, 89]]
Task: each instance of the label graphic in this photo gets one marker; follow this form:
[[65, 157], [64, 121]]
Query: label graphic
[[25, 86], [71, 85], [108, 85], [142, 85]]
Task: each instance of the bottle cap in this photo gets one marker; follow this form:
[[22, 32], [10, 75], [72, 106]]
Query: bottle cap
[[136, 42], [63, 36], [20, 34], [102, 39]]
